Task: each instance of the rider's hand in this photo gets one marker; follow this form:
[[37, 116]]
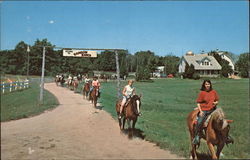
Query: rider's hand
[[215, 103]]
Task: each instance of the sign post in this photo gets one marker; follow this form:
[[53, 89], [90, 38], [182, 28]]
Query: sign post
[[42, 78], [28, 61], [118, 74]]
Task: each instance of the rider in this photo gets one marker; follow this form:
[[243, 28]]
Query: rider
[[127, 92], [70, 79], [86, 80], [95, 83], [207, 101]]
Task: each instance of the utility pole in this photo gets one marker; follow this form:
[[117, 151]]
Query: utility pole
[[28, 61], [118, 74], [42, 78]]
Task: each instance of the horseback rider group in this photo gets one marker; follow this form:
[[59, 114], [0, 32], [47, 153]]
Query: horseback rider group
[[207, 102]]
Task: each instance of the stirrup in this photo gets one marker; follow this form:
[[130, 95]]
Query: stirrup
[[120, 116]]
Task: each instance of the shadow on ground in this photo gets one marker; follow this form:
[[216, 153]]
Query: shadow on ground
[[137, 133], [99, 107], [203, 156]]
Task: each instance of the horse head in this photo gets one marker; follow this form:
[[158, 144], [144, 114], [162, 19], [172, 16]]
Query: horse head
[[86, 86], [95, 90], [220, 124], [136, 103]]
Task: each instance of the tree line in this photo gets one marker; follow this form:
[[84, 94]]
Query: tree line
[[15, 61], [144, 63]]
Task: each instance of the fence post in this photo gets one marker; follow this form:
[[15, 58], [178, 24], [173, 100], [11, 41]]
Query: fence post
[[3, 87], [10, 86], [27, 83], [15, 85], [20, 85]]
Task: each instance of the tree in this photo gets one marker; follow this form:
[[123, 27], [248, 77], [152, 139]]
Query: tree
[[146, 63], [142, 73], [225, 67], [189, 71], [152, 64], [171, 64], [5, 57], [242, 65]]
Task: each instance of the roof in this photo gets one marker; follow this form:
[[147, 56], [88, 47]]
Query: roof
[[195, 59]]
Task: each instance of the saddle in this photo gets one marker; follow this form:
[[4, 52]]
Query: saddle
[[205, 123], [125, 105]]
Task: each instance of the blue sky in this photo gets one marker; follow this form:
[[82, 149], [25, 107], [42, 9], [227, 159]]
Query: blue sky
[[163, 27]]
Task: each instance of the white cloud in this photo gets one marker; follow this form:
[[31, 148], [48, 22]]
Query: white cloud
[[51, 21]]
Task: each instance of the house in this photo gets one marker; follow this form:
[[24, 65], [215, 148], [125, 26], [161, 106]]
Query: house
[[227, 58], [204, 65], [159, 72]]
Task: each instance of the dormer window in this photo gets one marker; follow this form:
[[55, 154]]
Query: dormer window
[[206, 63]]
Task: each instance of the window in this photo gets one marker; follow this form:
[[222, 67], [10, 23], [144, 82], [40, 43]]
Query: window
[[206, 63]]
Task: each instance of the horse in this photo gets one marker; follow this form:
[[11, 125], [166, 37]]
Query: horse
[[75, 85], [57, 79], [86, 89], [94, 95], [61, 80], [216, 132], [70, 83], [130, 111]]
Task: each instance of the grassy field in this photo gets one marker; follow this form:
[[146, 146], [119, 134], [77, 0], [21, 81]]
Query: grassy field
[[166, 103], [24, 103]]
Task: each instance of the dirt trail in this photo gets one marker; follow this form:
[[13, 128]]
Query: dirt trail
[[73, 130]]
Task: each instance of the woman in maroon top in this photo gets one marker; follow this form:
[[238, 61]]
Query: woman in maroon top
[[206, 102]]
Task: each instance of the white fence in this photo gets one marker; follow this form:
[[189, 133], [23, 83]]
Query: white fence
[[13, 86]]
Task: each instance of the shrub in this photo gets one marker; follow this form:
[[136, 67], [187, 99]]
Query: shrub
[[196, 76]]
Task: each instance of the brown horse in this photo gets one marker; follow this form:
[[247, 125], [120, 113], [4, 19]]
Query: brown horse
[[75, 85], [94, 95], [130, 111], [86, 90], [216, 132]]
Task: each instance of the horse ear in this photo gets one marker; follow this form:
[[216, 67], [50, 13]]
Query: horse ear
[[229, 121], [140, 95]]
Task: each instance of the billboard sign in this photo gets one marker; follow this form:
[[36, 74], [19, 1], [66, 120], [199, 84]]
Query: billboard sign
[[79, 53]]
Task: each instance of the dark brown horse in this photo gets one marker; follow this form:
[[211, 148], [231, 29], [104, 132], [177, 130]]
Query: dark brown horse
[[94, 94], [216, 132], [130, 111], [86, 90]]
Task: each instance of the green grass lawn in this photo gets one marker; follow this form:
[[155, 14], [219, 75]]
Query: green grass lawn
[[167, 102], [25, 103]]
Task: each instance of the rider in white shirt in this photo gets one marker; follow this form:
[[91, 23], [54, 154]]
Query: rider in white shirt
[[127, 92]]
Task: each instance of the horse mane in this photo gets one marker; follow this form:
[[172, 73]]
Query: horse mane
[[133, 102], [218, 114], [135, 97], [218, 119]]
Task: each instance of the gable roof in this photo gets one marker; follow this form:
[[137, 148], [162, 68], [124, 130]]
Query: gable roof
[[195, 59]]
